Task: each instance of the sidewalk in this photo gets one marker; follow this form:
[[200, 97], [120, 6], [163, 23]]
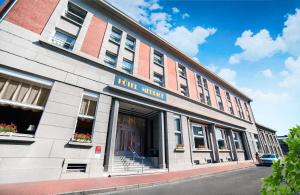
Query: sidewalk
[[106, 184]]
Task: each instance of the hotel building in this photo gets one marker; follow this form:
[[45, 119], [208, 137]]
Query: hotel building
[[85, 91]]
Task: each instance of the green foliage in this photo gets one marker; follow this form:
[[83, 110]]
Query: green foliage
[[285, 178]]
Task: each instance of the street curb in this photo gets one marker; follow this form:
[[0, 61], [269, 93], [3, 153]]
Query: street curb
[[144, 185]]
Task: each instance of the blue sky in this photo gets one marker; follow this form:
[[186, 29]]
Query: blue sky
[[255, 45]]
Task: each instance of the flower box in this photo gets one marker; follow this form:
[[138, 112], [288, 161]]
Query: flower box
[[8, 129], [180, 146], [82, 137]]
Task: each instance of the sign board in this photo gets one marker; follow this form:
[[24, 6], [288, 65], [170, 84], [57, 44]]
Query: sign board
[[140, 88]]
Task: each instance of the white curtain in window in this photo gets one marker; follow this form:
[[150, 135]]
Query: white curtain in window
[[88, 107]]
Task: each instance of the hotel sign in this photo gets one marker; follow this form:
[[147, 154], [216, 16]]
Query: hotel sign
[[140, 88]]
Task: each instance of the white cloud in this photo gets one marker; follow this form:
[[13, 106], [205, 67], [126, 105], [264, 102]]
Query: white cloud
[[212, 67], [175, 10], [291, 74], [261, 45], [256, 46], [185, 15], [267, 73], [284, 73], [228, 75], [291, 34], [189, 40], [146, 12]]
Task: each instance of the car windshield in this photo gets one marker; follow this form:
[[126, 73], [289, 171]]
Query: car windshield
[[268, 156]]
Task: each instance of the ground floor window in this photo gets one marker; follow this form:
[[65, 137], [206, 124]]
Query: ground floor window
[[85, 119], [220, 136], [199, 136], [178, 132], [21, 105], [237, 140]]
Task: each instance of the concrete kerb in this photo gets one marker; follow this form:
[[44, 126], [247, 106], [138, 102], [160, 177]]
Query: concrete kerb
[[150, 184]]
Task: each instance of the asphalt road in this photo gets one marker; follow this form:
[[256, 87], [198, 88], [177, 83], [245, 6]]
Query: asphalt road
[[245, 181]]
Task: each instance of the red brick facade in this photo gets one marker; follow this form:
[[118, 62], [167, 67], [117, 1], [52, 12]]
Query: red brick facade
[[144, 61]]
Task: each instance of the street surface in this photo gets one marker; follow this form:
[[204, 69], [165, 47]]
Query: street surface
[[245, 181]]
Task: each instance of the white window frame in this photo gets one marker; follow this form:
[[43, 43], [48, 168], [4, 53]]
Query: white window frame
[[177, 117], [238, 140], [223, 139], [204, 136]]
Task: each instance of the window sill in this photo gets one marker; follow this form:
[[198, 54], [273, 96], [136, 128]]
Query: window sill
[[74, 143], [224, 150], [179, 150], [239, 150], [202, 150], [17, 137]]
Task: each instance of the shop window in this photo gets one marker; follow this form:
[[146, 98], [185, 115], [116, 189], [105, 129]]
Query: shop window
[[199, 136], [178, 132], [115, 35], [130, 43], [237, 140], [110, 59], [21, 106], [220, 139], [127, 66], [86, 118]]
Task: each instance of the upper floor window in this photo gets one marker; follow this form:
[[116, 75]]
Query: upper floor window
[[230, 107], [248, 112], [178, 132], [182, 71], [115, 35], [158, 58], [63, 39], [205, 83], [75, 13], [127, 66], [5, 6], [217, 90], [130, 43], [86, 117], [21, 105], [184, 90], [110, 59], [200, 141], [240, 109], [158, 79], [199, 81]]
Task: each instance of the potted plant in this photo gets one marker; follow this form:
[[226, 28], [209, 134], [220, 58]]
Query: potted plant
[[8, 129], [180, 146], [82, 137]]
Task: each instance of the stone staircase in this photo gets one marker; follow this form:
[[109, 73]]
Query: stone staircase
[[128, 164]]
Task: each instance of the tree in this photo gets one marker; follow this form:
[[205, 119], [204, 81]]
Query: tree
[[285, 178]]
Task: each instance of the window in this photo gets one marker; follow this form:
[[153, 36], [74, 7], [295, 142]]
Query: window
[[178, 136], [201, 95], [205, 83], [75, 13], [110, 59], [130, 43], [85, 119], [184, 90], [63, 40], [158, 79], [206, 92], [199, 82], [220, 139], [199, 136], [182, 71], [248, 112], [239, 106], [237, 140], [115, 35], [258, 145], [21, 105], [158, 58], [127, 66], [230, 107], [5, 6], [219, 99]]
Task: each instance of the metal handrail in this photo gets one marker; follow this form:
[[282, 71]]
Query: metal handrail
[[136, 155]]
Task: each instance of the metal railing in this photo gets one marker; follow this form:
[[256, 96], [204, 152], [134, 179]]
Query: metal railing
[[135, 156]]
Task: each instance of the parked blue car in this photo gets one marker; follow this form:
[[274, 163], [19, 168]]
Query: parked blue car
[[267, 159]]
